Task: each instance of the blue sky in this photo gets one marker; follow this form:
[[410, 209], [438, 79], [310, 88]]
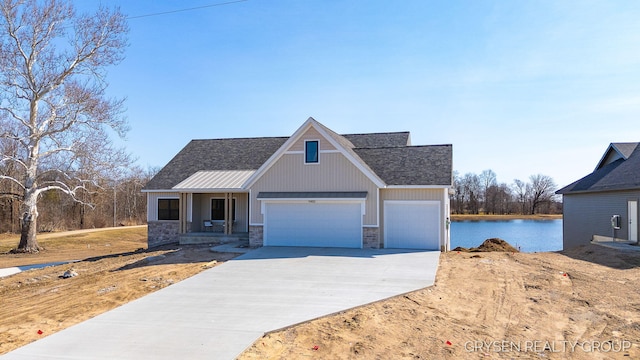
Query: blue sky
[[519, 87]]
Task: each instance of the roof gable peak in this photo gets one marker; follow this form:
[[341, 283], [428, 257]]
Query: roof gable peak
[[616, 151], [341, 143]]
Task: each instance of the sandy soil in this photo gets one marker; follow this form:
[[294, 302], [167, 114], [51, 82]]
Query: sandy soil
[[583, 304], [116, 270]]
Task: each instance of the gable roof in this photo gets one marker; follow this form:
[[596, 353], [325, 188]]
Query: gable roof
[[619, 169], [341, 143], [411, 165], [616, 151], [215, 154], [386, 158]]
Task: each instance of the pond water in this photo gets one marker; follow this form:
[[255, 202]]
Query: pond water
[[528, 235]]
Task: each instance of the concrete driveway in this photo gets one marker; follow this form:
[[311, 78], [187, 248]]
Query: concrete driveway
[[220, 312]]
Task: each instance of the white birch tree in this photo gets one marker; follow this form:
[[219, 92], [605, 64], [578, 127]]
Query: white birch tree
[[53, 104]]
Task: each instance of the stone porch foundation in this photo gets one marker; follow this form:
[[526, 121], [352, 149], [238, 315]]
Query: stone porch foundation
[[162, 232]]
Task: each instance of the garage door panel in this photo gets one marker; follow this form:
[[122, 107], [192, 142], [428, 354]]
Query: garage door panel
[[313, 224], [412, 225]]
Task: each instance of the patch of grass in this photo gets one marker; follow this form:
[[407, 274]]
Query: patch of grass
[[75, 245], [8, 242], [94, 238]]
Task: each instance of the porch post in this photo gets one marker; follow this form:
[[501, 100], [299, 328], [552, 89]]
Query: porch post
[[183, 213], [228, 215]]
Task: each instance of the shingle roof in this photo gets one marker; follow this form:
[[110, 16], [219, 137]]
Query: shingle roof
[[621, 174], [411, 165], [386, 154], [215, 154], [379, 140]]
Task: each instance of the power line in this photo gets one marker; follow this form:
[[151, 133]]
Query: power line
[[187, 9]]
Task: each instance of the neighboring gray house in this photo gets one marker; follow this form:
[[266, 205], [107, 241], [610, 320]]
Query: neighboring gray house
[[613, 188], [314, 188]]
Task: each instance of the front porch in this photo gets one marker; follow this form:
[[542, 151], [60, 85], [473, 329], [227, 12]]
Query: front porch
[[214, 215]]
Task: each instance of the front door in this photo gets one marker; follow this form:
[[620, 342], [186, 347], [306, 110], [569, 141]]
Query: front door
[[632, 214]]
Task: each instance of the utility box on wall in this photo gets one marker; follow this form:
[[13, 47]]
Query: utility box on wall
[[615, 222]]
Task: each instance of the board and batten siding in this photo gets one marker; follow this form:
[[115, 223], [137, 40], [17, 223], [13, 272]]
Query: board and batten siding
[[333, 172], [436, 194], [588, 214], [311, 134]]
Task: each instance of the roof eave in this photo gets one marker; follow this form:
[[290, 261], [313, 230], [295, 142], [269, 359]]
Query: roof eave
[[418, 186]]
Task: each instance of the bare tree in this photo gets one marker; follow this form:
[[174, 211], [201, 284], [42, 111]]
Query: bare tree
[[488, 179], [472, 187], [52, 99], [542, 190], [522, 191]]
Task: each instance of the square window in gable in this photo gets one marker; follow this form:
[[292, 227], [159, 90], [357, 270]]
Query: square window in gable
[[311, 151]]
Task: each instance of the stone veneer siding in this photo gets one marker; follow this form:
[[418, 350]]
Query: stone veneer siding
[[371, 237], [256, 238], [162, 232]]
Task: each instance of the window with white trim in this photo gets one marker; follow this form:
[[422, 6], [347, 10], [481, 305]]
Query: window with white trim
[[311, 151]]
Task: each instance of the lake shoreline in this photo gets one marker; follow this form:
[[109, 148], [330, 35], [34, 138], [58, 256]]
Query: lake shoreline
[[486, 217]]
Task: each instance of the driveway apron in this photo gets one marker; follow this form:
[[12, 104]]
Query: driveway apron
[[219, 313]]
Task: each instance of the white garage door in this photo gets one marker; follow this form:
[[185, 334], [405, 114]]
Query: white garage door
[[313, 224], [412, 225]]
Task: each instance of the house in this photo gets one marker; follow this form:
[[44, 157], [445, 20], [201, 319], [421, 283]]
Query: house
[[314, 188], [604, 204]]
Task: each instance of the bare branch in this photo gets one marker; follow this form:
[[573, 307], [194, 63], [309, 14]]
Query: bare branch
[[15, 181]]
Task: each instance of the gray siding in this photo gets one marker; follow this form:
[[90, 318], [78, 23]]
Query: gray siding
[[590, 214]]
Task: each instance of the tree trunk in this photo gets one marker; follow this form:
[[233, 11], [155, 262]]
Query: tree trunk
[[29, 222]]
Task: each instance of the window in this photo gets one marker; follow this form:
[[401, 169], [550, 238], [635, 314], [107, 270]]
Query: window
[[217, 209], [311, 152], [168, 209]]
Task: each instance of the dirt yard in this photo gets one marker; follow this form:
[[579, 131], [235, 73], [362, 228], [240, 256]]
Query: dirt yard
[[583, 304], [115, 270]]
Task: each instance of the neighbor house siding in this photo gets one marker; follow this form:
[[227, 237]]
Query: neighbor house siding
[[407, 194], [333, 173], [588, 214]]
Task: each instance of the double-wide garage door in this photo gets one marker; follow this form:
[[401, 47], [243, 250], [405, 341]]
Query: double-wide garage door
[[412, 225], [320, 224]]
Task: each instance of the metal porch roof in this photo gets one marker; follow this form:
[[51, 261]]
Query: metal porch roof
[[215, 179]]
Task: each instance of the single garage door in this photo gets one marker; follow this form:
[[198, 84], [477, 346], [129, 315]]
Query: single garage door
[[412, 225], [319, 224]]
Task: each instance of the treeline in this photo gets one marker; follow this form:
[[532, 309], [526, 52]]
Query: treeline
[[111, 202], [476, 194]]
